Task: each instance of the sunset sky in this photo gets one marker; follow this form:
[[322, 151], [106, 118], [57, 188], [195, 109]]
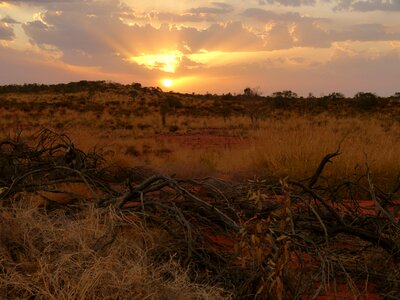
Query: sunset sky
[[317, 46]]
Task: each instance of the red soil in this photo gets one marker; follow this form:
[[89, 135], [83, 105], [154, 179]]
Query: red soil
[[343, 292], [203, 141], [225, 245]]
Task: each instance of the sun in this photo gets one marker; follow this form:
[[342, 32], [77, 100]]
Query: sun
[[167, 82]]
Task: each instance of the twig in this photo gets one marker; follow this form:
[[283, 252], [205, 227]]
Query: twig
[[324, 161]]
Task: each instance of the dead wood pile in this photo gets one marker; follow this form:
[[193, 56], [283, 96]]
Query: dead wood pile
[[290, 239]]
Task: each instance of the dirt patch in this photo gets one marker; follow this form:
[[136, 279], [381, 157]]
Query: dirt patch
[[204, 141], [344, 292]]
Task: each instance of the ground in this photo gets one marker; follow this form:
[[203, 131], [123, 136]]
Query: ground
[[203, 196]]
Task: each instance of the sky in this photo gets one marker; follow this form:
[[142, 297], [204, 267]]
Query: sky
[[307, 46]]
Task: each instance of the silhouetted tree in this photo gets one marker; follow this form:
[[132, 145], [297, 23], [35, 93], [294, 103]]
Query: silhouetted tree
[[366, 101], [335, 96], [283, 99], [396, 96], [251, 92]]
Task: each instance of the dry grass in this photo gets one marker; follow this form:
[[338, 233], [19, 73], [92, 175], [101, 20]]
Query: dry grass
[[58, 256], [293, 147], [63, 254], [279, 143]]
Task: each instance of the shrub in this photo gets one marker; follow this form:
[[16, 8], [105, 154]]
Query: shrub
[[136, 86], [173, 102], [366, 101], [131, 150], [283, 99], [335, 96], [228, 97], [251, 92], [134, 94]]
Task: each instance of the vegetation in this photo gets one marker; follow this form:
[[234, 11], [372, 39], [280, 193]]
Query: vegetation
[[124, 191]]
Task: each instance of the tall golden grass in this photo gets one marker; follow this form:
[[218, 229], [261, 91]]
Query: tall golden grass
[[284, 143], [294, 146]]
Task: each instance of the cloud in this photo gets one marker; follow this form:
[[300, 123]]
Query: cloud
[[366, 32], [107, 39], [262, 15], [290, 29], [9, 20], [184, 18], [376, 73], [278, 37], [29, 67], [217, 8], [368, 5], [288, 2], [343, 72], [96, 36], [232, 36], [39, 2], [198, 14], [308, 33], [34, 67], [6, 32]]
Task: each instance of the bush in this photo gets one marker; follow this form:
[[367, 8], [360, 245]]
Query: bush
[[251, 92], [366, 101], [173, 102], [136, 86], [283, 99]]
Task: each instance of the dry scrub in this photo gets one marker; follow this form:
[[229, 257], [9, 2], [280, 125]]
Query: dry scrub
[[133, 235], [91, 254], [125, 122], [115, 212]]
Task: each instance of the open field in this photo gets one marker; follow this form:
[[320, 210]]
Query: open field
[[213, 135], [260, 197]]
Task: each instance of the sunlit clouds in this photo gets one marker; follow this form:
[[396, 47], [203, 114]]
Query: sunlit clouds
[[167, 61], [305, 45]]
